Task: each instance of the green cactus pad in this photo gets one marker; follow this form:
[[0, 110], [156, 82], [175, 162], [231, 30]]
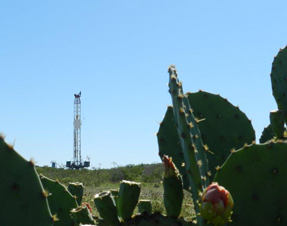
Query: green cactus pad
[[23, 199], [279, 79], [81, 215], [223, 127], [194, 152], [190, 137], [144, 206], [60, 200], [128, 198], [173, 196], [76, 189], [106, 207], [255, 176], [267, 134], [173, 190], [169, 144], [277, 119], [115, 194]]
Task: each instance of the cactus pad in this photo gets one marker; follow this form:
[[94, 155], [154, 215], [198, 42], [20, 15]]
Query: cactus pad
[[255, 176], [82, 215], [267, 134], [279, 79], [169, 144], [61, 201], [76, 189], [106, 207], [144, 205], [277, 119], [223, 127], [23, 199], [128, 198], [173, 190]]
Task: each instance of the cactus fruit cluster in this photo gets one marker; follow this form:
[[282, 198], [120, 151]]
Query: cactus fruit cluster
[[208, 148]]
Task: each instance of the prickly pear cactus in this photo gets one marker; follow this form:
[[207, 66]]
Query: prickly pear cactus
[[279, 79], [169, 144], [23, 199], [82, 215], [129, 193], [256, 178], [173, 190], [76, 189], [107, 209], [61, 201], [196, 162], [115, 195], [277, 120], [223, 128], [267, 134]]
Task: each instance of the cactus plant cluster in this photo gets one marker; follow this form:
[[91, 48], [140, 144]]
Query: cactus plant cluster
[[29, 199], [208, 148]]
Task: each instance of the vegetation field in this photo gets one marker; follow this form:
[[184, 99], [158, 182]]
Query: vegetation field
[[97, 180]]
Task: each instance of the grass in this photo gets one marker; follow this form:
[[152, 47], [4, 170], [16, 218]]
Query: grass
[[98, 180]]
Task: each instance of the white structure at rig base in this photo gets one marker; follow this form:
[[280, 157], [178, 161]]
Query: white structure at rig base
[[77, 162]]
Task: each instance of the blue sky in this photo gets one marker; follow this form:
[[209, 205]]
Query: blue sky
[[117, 53]]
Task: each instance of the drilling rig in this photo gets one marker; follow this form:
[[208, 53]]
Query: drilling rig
[[76, 162]]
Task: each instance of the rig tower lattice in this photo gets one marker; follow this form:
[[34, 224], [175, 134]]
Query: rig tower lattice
[[77, 162]]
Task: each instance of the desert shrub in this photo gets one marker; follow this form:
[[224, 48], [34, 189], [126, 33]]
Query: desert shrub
[[116, 175], [149, 173], [152, 173]]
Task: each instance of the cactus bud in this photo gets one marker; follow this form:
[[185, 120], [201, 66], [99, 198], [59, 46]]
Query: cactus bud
[[216, 205]]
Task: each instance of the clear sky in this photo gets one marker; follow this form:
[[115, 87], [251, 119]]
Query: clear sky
[[117, 53]]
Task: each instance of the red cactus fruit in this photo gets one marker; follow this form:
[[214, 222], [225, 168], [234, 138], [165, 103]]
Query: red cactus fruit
[[216, 205]]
